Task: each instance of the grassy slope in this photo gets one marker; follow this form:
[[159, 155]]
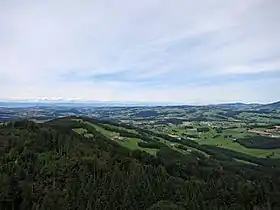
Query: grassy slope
[[131, 143]]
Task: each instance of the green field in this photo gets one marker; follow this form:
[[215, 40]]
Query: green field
[[229, 144], [130, 143], [209, 138], [225, 139]]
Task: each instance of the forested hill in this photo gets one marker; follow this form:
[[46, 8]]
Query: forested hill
[[70, 164]]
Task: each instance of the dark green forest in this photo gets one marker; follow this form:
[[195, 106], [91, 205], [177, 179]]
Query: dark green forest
[[49, 166], [260, 142]]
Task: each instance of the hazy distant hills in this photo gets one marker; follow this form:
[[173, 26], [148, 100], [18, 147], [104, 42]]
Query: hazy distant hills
[[64, 103], [253, 106], [271, 106], [76, 103]]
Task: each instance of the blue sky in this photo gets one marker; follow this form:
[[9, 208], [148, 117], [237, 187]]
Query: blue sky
[[178, 51]]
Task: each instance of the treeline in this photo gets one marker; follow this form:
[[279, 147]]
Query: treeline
[[203, 129], [223, 154], [151, 145], [260, 142], [270, 126]]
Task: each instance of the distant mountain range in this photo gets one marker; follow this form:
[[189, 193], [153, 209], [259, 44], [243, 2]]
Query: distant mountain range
[[275, 105], [76, 103]]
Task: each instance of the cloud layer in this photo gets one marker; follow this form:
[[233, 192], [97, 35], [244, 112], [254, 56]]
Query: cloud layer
[[185, 51]]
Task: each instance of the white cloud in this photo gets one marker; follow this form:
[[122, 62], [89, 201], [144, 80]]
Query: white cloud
[[42, 41]]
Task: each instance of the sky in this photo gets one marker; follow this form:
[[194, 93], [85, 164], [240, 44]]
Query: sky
[[193, 52]]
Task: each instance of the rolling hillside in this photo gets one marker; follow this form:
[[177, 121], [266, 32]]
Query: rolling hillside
[[85, 163], [271, 106]]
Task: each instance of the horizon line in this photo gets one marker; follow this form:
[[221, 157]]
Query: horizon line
[[69, 101]]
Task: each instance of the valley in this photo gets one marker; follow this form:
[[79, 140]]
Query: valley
[[226, 126], [162, 157]]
